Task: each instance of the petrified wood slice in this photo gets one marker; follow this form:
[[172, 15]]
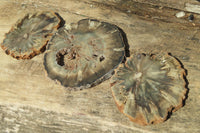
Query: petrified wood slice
[[29, 36], [83, 54], [147, 87]]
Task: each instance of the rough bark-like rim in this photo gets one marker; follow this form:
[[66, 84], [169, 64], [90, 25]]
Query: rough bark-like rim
[[105, 76], [140, 119], [35, 52]]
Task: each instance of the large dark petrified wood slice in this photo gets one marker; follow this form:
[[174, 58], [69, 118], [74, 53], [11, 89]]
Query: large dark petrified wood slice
[[29, 36], [83, 54], [146, 88]]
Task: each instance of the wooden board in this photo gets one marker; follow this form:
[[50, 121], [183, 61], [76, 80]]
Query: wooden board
[[31, 102], [184, 5]]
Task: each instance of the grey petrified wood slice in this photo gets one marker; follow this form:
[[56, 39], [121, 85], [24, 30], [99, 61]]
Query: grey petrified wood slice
[[84, 54], [148, 87], [29, 36]]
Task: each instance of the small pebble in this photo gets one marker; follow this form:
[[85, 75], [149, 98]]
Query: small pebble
[[180, 14], [191, 17], [129, 11]]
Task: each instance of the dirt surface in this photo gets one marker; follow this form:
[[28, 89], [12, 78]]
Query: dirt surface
[[31, 102]]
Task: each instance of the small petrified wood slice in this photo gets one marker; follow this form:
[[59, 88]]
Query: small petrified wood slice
[[84, 54], [148, 87], [29, 36]]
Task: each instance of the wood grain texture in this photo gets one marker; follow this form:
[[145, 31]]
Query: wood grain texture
[[174, 4], [31, 102]]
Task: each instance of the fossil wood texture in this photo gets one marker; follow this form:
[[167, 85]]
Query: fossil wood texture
[[29, 36], [31, 102], [147, 87], [85, 53]]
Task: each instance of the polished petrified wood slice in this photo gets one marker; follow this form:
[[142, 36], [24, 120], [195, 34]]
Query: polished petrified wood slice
[[148, 87], [83, 54], [29, 36]]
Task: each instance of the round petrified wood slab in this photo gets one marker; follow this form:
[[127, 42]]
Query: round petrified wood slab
[[82, 55], [29, 36], [147, 87]]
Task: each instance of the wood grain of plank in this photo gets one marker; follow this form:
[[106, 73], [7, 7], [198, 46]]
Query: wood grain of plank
[[32, 102]]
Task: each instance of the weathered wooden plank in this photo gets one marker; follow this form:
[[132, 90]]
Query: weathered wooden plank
[[148, 10], [184, 5], [31, 102]]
